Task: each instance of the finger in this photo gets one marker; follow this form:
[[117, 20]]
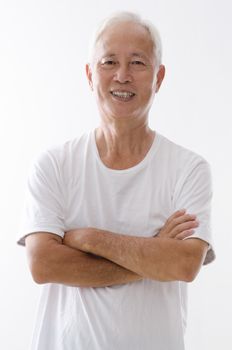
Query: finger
[[185, 234], [175, 215], [180, 220], [176, 218], [183, 227]]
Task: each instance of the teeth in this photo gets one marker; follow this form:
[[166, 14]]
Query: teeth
[[123, 94]]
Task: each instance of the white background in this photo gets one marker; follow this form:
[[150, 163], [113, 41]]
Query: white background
[[45, 100]]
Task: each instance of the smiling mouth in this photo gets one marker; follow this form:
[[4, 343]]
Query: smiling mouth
[[123, 95]]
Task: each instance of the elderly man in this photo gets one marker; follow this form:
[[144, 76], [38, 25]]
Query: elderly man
[[117, 221]]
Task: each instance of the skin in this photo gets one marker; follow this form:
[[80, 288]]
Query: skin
[[52, 260], [165, 257], [90, 257], [124, 63]]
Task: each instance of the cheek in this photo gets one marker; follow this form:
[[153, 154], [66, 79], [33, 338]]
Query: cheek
[[146, 83], [102, 84], [148, 90], [101, 91]]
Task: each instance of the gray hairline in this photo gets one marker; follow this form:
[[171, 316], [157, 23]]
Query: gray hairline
[[128, 17]]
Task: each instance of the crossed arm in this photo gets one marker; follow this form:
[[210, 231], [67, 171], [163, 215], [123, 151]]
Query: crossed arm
[[90, 257]]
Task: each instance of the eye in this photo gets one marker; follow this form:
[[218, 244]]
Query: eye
[[136, 62], [108, 63]]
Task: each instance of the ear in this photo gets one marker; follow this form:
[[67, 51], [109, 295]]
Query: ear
[[159, 77], [89, 75]]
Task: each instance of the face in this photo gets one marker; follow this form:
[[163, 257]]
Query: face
[[123, 75]]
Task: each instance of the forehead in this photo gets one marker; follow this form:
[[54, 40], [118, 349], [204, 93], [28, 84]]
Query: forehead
[[124, 37]]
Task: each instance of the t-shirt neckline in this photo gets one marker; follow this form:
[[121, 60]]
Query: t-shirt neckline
[[152, 150]]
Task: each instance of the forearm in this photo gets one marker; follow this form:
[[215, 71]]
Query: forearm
[[160, 259], [58, 263], [153, 258], [87, 270]]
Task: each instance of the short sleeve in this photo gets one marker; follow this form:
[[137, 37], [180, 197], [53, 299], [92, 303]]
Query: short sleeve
[[44, 200], [193, 192]]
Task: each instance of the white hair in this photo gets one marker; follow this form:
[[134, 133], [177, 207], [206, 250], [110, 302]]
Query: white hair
[[119, 17]]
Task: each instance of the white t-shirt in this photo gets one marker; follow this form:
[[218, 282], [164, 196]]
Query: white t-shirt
[[69, 187]]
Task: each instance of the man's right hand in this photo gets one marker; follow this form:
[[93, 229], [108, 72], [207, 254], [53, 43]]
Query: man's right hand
[[179, 225]]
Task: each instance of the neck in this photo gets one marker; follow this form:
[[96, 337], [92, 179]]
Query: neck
[[120, 144]]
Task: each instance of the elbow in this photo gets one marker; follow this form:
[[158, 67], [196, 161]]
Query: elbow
[[39, 272], [189, 277], [40, 254], [38, 277], [193, 259], [190, 270]]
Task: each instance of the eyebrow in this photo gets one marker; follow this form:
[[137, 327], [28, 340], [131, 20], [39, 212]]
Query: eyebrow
[[133, 54], [136, 54]]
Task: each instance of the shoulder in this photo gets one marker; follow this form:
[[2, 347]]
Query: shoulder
[[60, 155], [58, 163], [181, 157]]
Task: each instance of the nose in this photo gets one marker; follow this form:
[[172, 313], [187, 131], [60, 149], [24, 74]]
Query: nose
[[123, 74]]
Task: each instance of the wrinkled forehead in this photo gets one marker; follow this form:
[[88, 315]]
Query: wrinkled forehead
[[124, 37]]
